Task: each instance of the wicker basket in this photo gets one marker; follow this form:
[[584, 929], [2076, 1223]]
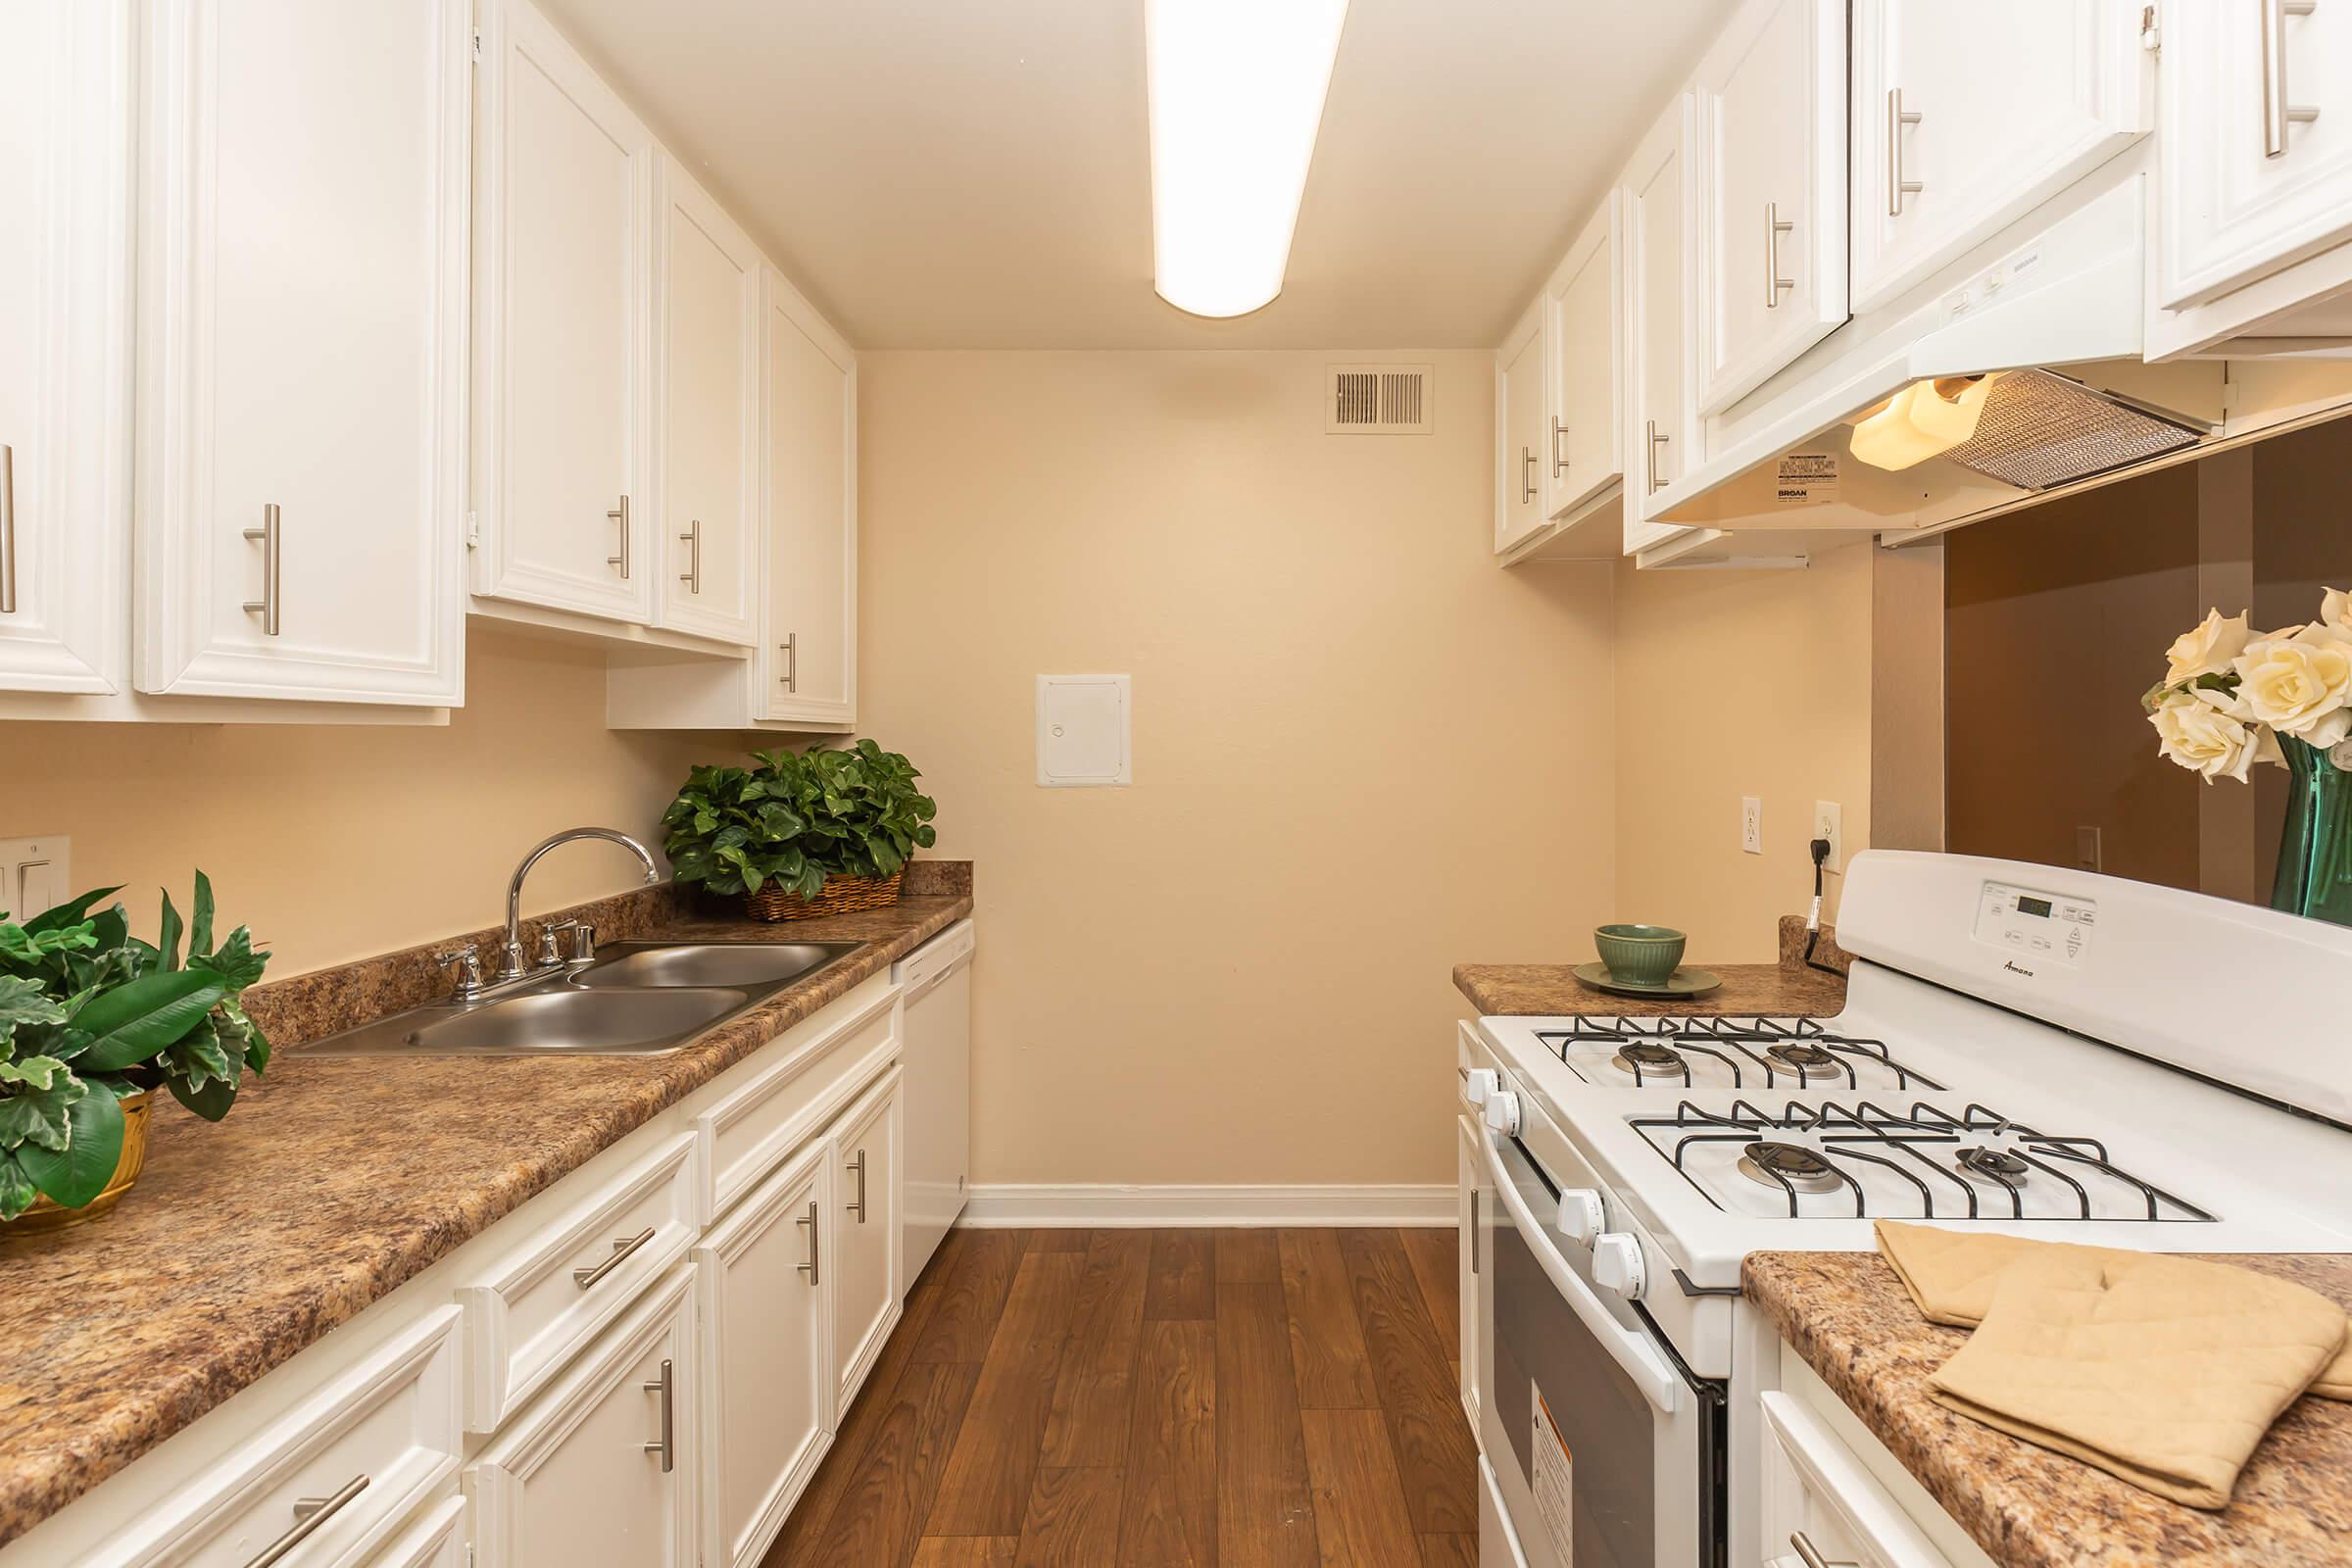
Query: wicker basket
[[842, 895]]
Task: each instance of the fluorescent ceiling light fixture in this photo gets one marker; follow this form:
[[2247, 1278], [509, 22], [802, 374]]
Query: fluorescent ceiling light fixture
[[1920, 422], [1237, 96]]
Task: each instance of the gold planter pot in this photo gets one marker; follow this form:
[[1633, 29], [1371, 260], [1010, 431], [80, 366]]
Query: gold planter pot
[[46, 1217]]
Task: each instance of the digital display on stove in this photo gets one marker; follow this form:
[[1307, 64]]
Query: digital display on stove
[[2036, 906]]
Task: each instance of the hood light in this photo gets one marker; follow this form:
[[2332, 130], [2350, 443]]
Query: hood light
[[1237, 96], [1920, 422]]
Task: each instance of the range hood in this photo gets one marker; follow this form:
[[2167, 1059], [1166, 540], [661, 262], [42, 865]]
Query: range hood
[[2041, 348]]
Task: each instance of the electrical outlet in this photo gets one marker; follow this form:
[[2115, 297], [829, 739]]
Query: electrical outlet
[[35, 873], [1829, 823], [1752, 824]]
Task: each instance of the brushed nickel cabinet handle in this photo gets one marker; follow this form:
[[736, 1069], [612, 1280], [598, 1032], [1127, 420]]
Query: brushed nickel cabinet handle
[[270, 538], [585, 1278], [621, 514], [310, 1514], [790, 648], [1559, 459], [1653, 439], [1473, 1230], [859, 1207], [2277, 113], [810, 1220], [1774, 284], [1810, 1554], [1527, 474], [1897, 187], [692, 538], [665, 1446], [8, 529]]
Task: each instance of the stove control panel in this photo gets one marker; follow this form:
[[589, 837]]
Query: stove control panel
[[2035, 927]]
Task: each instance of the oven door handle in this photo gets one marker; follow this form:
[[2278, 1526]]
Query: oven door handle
[[1631, 1349]]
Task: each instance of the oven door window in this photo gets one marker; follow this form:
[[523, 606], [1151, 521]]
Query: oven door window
[[1594, 1436]]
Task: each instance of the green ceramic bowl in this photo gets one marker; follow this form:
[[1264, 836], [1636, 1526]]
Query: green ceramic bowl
[[1640, 955]]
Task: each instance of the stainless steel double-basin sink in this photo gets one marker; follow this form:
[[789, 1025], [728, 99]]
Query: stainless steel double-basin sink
[[636, 998]]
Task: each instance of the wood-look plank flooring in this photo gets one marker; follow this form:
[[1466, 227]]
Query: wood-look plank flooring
[[1174, 1398]]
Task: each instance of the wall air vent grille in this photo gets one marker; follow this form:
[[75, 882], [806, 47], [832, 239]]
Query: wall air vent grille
[[1376, 400]]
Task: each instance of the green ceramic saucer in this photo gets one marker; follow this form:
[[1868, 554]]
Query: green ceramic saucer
[[1680, 983]]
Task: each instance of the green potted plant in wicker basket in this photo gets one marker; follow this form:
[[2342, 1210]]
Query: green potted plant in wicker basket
[[820, 832]]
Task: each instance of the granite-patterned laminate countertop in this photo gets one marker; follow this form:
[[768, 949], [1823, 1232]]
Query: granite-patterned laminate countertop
[[333, 1181], [1788, 987], [1853, 1321]]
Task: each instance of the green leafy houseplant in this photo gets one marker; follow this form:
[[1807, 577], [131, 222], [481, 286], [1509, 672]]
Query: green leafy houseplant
[[793, 820], [91, 1017]]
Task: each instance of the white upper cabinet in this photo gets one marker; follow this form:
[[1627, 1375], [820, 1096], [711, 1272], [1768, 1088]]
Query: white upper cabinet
[[2255, 112], [709, 361], [66, 117], [1661, 420], [562, 427], [302, 331], [1519, 433], [1583, 321], [807, 662], [1964, 117], [1770, 173]]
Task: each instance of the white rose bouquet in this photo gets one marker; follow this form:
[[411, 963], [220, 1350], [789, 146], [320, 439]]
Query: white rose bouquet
[[2231, 699]]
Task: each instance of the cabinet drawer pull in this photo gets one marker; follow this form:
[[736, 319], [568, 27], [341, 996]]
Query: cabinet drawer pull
[[666, 1447], [585, 1278], [1774, 284], [1527, 474], [790, 648], [1810, 1554], [310, 1514], [859, 1207], [1559, 459], [692, 538], [1897, 187], [2277, 113], [269, 536], [1653, 439], [621, 514], [8, 529], [809, 1220], [1473, 1230]]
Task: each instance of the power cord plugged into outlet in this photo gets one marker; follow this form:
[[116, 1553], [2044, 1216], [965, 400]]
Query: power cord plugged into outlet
[[1821, 860]]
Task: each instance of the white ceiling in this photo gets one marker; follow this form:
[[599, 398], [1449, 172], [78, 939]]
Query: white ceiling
[[976, 174]]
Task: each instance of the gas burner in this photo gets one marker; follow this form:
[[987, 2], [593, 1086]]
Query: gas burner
[[1808, 1060], [1642, 1058], [1999, 1164], [1789, 1165]]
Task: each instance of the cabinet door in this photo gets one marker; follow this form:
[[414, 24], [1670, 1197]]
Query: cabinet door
[[867, 1241], [808, 658], [66, 118], [1770, 173], [564, 197], [599, 1472], [2255, 104], [1966, 116], [1584, 326], [767, 1377], [709, 286], [1470, 1202], [1519, 434], [302, 336], [1662, 429]]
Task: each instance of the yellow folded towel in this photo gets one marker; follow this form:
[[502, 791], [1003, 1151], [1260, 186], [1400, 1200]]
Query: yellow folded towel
[[2165, 1371], [1951, 1275]]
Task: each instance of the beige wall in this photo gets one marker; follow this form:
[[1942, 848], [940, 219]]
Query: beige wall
[[1734, 683], [337, 842], [1362, 752]]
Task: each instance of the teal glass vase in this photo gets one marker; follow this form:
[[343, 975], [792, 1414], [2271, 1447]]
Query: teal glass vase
[[2315, 858]]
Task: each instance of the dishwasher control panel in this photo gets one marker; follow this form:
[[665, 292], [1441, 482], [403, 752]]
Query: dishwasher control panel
[[2046, 926]]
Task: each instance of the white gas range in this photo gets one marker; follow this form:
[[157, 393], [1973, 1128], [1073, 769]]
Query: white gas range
[[2023, 1049]]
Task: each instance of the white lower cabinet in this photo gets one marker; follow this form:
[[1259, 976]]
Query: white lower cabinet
[[1817, 1497], [1470, 1264], [438, 1540], [866, 1235], [600, 1471], [766, 1362]]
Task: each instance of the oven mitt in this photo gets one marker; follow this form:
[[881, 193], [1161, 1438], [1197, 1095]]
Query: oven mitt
[[2163, 1371], [1952, 1276]]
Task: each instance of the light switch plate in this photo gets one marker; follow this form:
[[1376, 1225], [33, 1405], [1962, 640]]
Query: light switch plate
[[1085, 731], [36, 873]]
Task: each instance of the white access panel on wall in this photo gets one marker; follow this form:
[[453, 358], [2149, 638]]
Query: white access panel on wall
[[1085, 731]]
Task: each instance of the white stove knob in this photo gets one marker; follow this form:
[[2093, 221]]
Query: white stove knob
[[1502, 1112], [1480, 1083], [1617, 1264], [1581, 1218]]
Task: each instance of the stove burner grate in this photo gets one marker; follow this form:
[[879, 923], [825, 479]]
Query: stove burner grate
[[1805, 1059], [1801, 1051], [1999, 1164], [1646, 1058], [1777, 1164]]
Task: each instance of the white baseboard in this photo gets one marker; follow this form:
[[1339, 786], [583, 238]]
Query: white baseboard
[[1079, 1203]]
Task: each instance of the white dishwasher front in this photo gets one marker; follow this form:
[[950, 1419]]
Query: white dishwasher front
[[936, 1090]]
